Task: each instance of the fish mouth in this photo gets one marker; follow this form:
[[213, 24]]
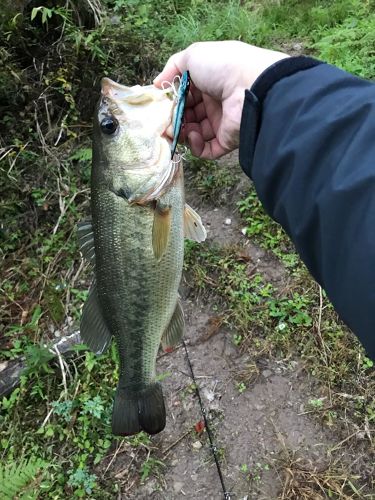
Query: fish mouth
[[142, 106], [136, 94], [115, 99]]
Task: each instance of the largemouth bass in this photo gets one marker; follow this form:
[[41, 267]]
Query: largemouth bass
[[135, 241]]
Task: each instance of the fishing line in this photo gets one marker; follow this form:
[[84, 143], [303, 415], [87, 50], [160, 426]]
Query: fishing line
[[204, 414], [171, 86]]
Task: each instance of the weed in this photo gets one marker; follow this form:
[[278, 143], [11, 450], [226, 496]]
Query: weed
[[316, 403], [37, 359], [212, 180], [18, 478], [82, 481], [93, 407], [303, 479], [63, 409], [244, 468], [256, 472], [51, 58], [349, 45], [151, 466], [237, 339], [241, 387], [260, 227]]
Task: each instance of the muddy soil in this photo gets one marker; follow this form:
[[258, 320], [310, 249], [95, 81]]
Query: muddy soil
[[252, 426]]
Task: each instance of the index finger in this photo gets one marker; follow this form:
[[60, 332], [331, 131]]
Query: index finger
[[176, 65]]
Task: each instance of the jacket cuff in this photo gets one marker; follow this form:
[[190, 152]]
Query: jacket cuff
[[252, 108]]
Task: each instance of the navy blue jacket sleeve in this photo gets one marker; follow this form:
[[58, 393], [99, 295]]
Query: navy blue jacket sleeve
[[307, 140]]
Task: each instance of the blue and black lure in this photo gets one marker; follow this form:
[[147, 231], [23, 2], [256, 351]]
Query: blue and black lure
[[180, 108]]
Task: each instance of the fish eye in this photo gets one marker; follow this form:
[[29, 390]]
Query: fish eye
[[109, 125]]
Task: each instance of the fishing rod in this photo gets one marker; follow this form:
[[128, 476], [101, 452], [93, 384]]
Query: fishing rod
[[209, 433]]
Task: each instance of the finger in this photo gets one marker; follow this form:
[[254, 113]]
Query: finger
[[185, 131], [196, 114], [194, 96], [176, 65], [208, 150], [207, 130], [203, 128], [189, 115], [188, 127], [200, 111], [183, 138], [196, 142]]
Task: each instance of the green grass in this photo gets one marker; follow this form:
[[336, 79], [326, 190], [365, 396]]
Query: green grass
[[210, 180], [69, 426], [341, 32], [45, 169]]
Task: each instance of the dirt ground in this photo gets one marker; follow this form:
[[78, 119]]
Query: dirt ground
[[253, 428]]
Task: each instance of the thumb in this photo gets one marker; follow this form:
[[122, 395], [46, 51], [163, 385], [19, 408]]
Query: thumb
[[176, 65]]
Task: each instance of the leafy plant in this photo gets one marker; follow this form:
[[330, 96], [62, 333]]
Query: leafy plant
[[241, 387], [37, 359], [46, 13], [16, 477], [150, 466], [316, 403], [63, 409], [93, 407], [82, 481], [52, 56]]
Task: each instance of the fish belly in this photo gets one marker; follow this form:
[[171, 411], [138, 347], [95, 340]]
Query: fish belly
[[137, 295]]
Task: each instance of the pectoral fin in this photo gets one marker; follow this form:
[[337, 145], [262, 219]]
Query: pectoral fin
[[161, 229], [194, 229], [86, 240], [94, 332], [175, 330]]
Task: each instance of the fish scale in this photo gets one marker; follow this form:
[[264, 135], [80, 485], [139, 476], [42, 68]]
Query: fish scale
[[135, 241], [140, 283]]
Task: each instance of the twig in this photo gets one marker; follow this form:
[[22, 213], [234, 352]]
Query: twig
[[48, 416], [168, 449], [63, 374], [115, 455], [315, 410], [337, 446], [63, 209], [10, 371], [319, 325]]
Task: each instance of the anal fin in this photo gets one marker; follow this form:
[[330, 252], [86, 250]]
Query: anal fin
[[175, 330], [94, 331], [194, 229]]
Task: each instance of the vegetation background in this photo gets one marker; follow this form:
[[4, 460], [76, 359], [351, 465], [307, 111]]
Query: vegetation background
[[53, 435]]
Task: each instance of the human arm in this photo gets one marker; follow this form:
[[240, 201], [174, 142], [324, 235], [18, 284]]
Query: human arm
[[307, 142], [220, 74]]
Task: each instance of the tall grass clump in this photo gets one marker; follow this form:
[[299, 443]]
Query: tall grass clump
[[341, 33], [350, 46], [233, 20]]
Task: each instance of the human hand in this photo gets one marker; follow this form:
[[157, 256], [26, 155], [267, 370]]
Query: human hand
[[220, 72]]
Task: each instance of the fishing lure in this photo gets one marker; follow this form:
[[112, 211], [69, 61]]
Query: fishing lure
[[180, 108]]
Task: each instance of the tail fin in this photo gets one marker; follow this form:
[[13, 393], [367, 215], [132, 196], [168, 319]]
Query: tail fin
[[138, 411]]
